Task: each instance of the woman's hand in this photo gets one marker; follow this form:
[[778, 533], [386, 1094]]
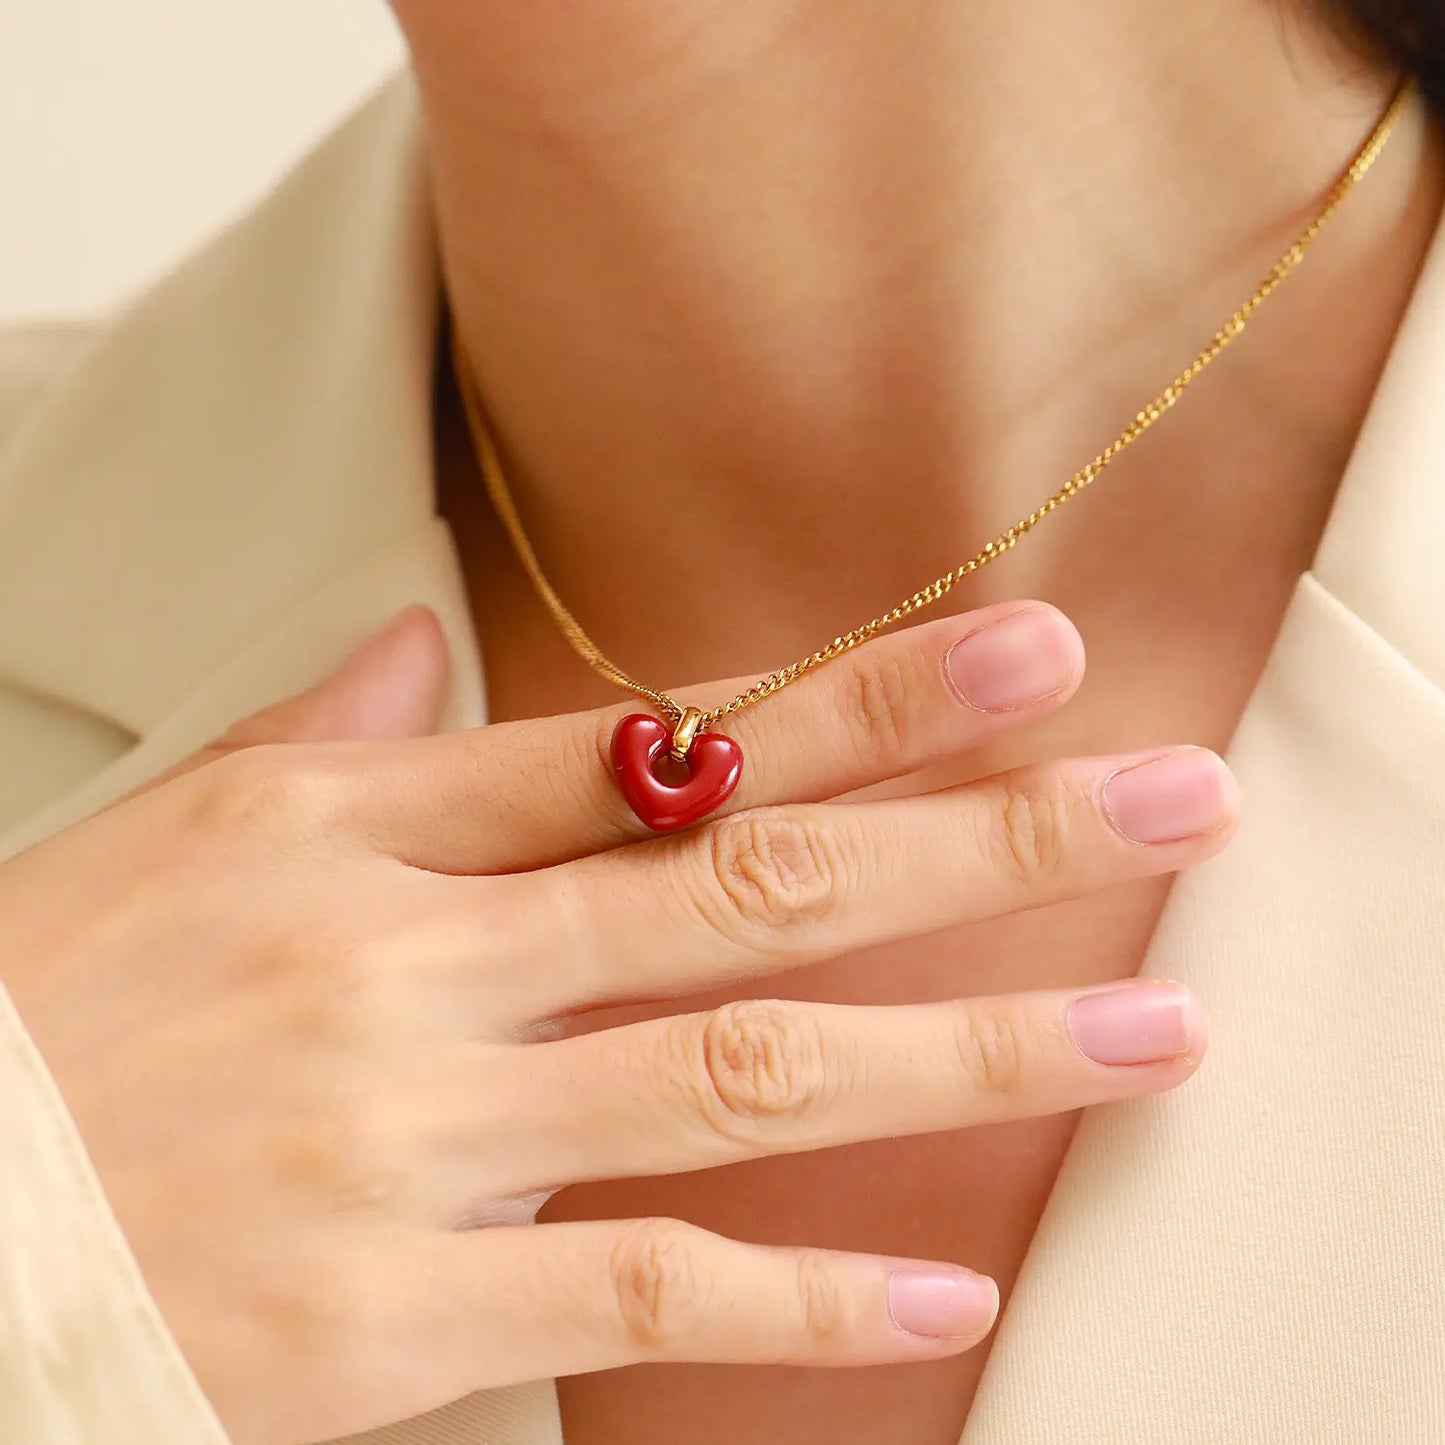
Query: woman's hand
[[304, 1003]]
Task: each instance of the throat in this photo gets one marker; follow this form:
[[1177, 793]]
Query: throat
[[718, 508], [1201, 528], [757, 370], [1176, 566]]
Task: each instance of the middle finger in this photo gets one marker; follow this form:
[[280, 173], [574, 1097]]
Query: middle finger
[[775, 888]]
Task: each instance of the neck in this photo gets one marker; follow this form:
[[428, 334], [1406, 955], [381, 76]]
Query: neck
[[874, 279]]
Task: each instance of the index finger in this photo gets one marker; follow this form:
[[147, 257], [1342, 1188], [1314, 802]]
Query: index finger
[[522, 795]]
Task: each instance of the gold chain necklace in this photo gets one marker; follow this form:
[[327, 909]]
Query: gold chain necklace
[[711, 763]]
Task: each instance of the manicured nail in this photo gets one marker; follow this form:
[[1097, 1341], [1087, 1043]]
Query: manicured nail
[[1168, 799], [941, 1304], [1016, 661], [1137, 1023]]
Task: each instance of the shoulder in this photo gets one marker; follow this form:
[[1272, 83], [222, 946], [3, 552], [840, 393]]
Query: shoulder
[[34, 358]]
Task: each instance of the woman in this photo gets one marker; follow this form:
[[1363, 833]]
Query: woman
[[775, 312]]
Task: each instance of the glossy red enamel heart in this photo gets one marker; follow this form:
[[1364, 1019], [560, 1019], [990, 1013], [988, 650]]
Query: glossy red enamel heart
[[714, 765]]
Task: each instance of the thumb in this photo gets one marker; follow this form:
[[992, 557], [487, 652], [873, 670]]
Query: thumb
[[393, 686]]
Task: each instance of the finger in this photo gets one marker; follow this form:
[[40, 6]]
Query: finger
[[571, 1298], [769, 890], [521, 795], [768, 1077], [392, 686]]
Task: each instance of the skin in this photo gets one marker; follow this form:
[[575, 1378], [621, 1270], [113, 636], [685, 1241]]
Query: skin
[[827, 294], [306, 999], [719, 266], [964, 242]]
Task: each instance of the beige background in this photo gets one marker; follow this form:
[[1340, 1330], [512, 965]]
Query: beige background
[[129, 129]]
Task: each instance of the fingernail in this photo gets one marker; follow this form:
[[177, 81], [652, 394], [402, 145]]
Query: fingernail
[[1169, 799], [1014, 662], [1138, 1023], [393, 685], [941, 1304], [385, 635]]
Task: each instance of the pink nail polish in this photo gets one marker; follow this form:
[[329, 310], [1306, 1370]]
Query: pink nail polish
[[941, 1304], [1013, 662], [1167, 799], [1136, 1023]]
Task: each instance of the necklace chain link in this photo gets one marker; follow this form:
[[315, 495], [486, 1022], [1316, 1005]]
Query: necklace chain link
[[506, 508]]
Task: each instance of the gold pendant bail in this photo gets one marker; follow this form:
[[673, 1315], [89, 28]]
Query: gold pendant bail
[[685, 731]]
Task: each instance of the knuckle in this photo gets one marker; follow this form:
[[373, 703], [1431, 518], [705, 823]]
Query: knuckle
[[278, 788], [822, 1300], [878, 706], [295, 1305], [770, 871], [996, 1050], [352, 997], [658, 1284], [361, 970], [1025, 831], [343, 1155], [313, 968], [763, 1062], [315, 1304]]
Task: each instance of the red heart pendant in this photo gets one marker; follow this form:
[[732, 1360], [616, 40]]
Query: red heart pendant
[[714, 765]]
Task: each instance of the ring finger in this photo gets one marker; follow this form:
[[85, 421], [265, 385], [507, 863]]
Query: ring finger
[[766, 1077]]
